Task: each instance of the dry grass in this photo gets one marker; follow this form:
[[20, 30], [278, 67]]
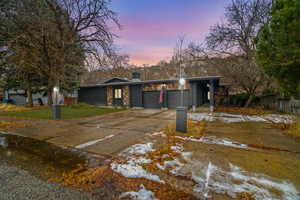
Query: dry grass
[[242, 110], [165, 152], [4, 125], [104, 178], [293, 130], [246, 196], [194, 129], [14, 108]]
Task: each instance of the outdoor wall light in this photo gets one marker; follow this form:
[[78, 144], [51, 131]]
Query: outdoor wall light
[[56, 89], [182, 81]]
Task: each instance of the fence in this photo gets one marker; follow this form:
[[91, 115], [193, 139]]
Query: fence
[[280, 104]]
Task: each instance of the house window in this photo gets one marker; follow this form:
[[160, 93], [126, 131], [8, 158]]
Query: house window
[[118, 93]]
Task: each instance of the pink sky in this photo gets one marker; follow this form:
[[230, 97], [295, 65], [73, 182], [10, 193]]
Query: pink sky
[[150, 29]]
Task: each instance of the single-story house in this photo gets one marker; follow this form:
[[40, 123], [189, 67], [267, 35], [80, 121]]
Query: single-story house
[[150, 93], [19, 97]]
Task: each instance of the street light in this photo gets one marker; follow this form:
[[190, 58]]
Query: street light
[[56, 111]]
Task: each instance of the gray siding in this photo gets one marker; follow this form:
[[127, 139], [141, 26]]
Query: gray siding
[[174, 99], [151, 99], [136, 96], [92, 95]]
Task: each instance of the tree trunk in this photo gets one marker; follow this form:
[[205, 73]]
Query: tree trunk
[[50, 100], [29, 97], [249, 101]]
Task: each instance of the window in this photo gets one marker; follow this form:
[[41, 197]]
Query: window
[[118, 93]]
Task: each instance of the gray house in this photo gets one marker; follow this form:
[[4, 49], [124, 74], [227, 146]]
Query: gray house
[[18, 97], [151, 93]]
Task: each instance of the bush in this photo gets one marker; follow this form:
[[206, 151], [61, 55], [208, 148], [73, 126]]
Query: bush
[[241, 99]]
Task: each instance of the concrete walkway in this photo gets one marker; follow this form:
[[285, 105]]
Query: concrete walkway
[[105, 134]]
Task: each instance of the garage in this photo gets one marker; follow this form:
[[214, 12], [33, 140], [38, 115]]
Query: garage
[[151, 99], [92, 95], [174, 98]]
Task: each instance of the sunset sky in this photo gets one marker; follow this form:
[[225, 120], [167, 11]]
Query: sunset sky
[[150, 28]]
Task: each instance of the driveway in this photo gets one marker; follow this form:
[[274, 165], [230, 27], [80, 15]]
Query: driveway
[[106, 134]]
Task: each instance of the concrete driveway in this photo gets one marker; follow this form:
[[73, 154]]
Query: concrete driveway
[[106, 134]]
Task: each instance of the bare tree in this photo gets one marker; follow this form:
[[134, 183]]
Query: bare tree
[[230, 45], [178, 58], [59, 35]]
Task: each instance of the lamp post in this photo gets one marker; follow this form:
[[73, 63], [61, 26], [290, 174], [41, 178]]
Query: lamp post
[[56, 111], [181, 111]]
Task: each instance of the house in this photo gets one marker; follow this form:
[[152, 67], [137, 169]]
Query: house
[[19, 97], [150, 93]]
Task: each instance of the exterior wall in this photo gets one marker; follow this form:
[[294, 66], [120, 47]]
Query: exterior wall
[[125, 95], [169, 86], [109, 95]]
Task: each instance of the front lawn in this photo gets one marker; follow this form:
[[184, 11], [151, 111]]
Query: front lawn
[[67, 112]]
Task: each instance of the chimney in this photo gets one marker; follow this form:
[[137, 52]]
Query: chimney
[[136, 76]]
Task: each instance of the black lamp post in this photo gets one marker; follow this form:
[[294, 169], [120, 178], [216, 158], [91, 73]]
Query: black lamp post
[[56, 110], [181, 111]]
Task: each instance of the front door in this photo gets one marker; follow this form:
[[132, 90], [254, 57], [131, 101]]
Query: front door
[[117, 96]]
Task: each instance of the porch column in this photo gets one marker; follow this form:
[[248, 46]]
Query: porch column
[[211, 93], [165, 98], [194, 95]]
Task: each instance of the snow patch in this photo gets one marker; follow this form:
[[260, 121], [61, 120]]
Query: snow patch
[[142, 194], [134, 158], [232, 118], [158, 134], [130, 170], [215, 140], [93, 142], [237, 181], [139, 149]]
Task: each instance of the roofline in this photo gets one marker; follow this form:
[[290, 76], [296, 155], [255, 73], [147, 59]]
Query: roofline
[[204, 78], [124, 79]]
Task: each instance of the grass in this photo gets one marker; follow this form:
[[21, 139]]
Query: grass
[[67, 112], [293, 130]]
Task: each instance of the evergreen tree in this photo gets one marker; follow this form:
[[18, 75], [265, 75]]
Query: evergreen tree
[[278, 45]]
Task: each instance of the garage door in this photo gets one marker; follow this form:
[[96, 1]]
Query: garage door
[[151, 99], [92, 95], [174, 98]]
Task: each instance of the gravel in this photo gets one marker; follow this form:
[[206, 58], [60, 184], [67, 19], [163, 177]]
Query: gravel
[[18, 184]]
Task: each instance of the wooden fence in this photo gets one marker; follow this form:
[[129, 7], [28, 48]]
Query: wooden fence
[[280, 104]]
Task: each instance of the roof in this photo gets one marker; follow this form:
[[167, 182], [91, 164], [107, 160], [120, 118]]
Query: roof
[[116, 80], [193, 79]]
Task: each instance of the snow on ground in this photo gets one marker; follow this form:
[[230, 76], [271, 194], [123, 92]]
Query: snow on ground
[[158, 134], [135, 157], [142, 194], [237, 180], [215, 140], [139, 149], [231, 118], [93, 142], [230, 182]]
